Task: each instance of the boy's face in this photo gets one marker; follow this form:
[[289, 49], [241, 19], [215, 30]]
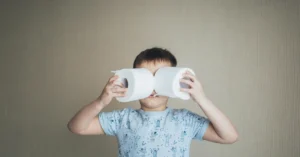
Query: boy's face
[[152, 102]]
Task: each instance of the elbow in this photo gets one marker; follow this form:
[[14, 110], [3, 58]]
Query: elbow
[[232, 139], [73, 130]]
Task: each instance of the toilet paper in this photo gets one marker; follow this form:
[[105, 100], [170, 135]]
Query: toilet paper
[[139, 81], [167, 82]]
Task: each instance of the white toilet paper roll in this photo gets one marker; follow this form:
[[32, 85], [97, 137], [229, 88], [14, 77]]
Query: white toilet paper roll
[[139, 81], [167, 82]]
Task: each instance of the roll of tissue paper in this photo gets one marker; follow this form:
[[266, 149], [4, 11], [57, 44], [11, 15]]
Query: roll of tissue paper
[[139, 81], [167, 82]]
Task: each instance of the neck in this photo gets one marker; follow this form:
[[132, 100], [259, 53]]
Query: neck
[[160, 108]]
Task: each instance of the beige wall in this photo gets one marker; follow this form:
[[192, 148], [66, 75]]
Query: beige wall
[[57, 55]]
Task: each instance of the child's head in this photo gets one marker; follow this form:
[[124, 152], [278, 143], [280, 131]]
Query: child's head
[[153, 59]]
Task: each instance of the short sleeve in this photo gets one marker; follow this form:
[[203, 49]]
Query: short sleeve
[[111, 121], [198, 125]]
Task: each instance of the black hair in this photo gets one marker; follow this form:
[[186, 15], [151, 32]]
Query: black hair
[[155, 54]]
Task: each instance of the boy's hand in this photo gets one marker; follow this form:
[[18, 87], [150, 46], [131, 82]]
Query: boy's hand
[[111, 90], [196, 89]]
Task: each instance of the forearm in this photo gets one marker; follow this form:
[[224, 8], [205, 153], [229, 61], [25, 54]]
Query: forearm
[[84, 117], [220, 122]]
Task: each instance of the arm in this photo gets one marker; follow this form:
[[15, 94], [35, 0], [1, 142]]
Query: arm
[[86, 121], [220, 130]]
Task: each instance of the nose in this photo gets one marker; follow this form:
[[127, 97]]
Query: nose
[[153, 93]]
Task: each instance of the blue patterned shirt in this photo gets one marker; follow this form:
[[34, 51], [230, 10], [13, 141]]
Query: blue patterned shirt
[[165, 133]]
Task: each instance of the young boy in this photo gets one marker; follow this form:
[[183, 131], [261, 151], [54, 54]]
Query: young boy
[[155, 129]]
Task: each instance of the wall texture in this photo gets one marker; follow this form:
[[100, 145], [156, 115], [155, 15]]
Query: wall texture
[[56, 56]]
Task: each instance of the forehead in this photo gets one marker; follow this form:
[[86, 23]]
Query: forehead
[[153, 66]]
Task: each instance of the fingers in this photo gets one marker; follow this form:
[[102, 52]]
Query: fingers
[[118, 90], [185, 90], [189, 75], [188, 82], [119, 94], [113, 78], [114, 81], [188, 79]]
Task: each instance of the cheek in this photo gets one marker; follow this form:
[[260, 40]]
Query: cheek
[[162, 98]]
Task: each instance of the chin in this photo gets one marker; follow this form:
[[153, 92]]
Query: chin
[[154, 102]]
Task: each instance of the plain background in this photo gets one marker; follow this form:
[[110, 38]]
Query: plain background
[[56, 56]]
